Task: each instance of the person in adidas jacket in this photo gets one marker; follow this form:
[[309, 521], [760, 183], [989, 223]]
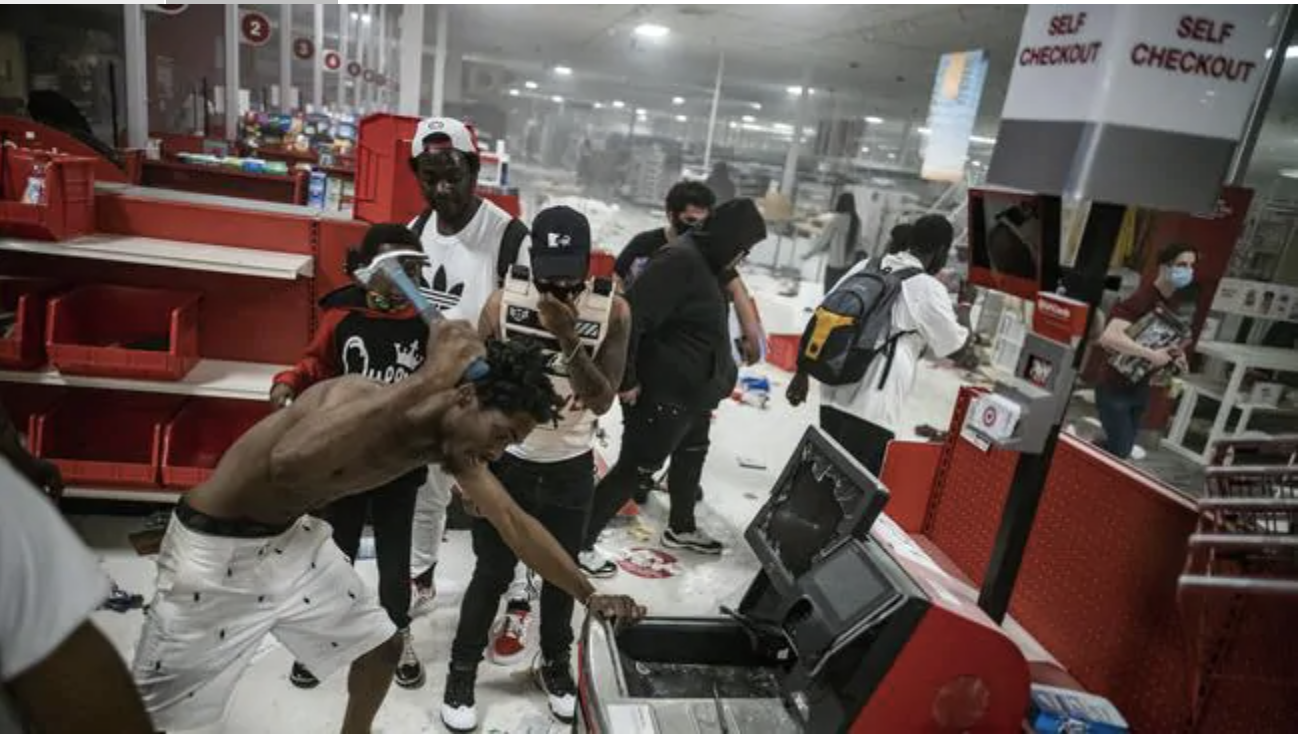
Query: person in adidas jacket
[[864, 416], [471, 244]]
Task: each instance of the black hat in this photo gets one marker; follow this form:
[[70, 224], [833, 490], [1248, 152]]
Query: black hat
[[560, 244], [734, 227]]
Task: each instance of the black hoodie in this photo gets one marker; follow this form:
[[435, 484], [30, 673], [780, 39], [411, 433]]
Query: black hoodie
[[680, 337]]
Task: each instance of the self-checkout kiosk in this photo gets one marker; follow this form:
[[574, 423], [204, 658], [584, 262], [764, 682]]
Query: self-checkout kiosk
[[848, 627]]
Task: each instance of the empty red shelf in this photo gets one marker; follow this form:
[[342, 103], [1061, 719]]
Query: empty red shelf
[[118, 331], [106, 438], [22, 342], [199, 435]]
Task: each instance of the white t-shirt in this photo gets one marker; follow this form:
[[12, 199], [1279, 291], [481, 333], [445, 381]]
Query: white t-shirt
[[461, 270], [924, 306], [49, 582]]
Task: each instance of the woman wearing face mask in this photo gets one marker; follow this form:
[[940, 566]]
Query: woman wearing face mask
[[1122, 403]]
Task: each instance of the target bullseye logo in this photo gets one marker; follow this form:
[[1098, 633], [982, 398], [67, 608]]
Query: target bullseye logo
[[989, 416]]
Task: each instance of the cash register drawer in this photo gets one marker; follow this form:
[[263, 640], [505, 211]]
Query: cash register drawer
[[695, 658]]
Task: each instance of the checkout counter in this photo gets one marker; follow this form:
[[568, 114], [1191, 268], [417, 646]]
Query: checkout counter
[[848, 627]]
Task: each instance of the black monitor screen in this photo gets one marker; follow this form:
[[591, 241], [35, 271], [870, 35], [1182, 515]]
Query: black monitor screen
[[822, 497], [1014, 241]]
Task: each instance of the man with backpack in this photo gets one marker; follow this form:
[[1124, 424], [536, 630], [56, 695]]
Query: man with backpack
[[471, 244], [865, 340]]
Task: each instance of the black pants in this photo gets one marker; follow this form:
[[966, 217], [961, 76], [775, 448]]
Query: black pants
[[865, 441], [652, 431], [558, 495], [1121, 410], [391, 509]]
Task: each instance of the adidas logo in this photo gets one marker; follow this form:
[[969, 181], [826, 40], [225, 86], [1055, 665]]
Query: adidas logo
[[442, 295], [409, 357]]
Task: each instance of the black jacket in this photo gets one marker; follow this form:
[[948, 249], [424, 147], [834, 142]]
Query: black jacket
[[680, 332]]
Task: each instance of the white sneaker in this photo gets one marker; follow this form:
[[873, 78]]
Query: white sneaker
[[697, 541], [526, 588], [554, 678], [1137, 453], [421, 599], [459, 710], [596, 564], [509, 635]]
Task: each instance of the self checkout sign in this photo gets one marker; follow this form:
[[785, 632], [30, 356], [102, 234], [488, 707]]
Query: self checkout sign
[[254, 28]]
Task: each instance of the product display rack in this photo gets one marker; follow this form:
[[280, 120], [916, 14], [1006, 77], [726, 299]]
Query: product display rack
[[255, 266]]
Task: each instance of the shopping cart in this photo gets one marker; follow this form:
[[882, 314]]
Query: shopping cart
[[1238, 592]]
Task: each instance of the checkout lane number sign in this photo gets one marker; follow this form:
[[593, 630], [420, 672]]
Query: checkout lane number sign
[[254, 27], [332, 60]]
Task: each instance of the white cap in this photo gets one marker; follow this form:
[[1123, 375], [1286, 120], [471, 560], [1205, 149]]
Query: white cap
[[458, 136]]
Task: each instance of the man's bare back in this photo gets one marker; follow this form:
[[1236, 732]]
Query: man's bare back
[[259, 480]]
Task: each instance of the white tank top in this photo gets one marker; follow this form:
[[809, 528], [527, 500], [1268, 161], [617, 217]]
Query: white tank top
[[461, 270], [519, 319]]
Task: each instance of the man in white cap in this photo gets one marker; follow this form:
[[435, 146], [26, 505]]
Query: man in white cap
[[471, 243]]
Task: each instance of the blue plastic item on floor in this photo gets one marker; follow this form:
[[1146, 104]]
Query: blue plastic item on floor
[[1061, 711]]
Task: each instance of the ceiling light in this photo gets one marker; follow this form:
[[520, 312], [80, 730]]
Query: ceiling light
[[874, 120], [563, 70], [976, 164], [865, 149], [681, 118], [755, 105], [678, 100], [556, 99], [651, 30], [794, 91], [365, 18], [599, 105], [513, 92], [892, 156], [1289, 172], [1291, 52], [530, 85], [924, 131], [748, 118], [618, 104], [982, 140], [641, 111], [355, 15]]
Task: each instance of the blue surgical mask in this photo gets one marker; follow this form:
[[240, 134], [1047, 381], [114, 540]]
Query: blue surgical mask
[[1180, 276]]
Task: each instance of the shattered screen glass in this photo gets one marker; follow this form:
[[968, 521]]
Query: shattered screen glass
[[806, 516]]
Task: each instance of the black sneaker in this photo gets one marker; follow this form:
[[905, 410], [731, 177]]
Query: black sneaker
[[410, 672], [302, 678], [595, 565], [554, 678], [695, 540], [459, 710]]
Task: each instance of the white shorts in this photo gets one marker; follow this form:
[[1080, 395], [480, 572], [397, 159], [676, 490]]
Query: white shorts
[[218, 597]]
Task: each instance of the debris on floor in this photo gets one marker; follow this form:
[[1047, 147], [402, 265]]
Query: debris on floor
[[122, 601]]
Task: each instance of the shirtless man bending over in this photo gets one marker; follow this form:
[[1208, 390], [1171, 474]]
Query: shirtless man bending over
[[241, 559]]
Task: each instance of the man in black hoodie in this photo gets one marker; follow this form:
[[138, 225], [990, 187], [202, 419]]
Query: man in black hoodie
[[679, 366]]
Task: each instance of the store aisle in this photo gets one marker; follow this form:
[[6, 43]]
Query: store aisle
[[676, 583]]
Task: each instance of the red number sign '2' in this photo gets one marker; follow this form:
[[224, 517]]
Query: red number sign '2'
[[255, 28]]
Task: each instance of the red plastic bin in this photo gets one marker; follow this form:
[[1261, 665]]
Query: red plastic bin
[[782, 350], [25, 298], [25, 404], [109, 439], [197, 438], [118, 331], [386, 189], [69, 208]]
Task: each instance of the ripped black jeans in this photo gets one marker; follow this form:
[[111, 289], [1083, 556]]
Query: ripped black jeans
[[652, 431]]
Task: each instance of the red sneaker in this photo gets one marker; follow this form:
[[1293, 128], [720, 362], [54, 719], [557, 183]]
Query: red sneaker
[[509, 635]]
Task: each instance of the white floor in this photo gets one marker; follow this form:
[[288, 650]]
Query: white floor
[[508, 702]]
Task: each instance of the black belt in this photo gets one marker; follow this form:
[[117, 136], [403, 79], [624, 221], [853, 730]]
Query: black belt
[[201, 522]]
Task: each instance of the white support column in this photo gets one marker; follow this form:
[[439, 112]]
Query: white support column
[[135, 84], [285, 57], [439, 60], [712, 117], [380, 93], [790, 177], [362, 30], [412, 59], [231, 71], [344, 25], [317, 74]]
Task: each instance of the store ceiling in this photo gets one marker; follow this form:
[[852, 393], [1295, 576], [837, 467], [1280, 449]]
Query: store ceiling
[[865, 59]]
